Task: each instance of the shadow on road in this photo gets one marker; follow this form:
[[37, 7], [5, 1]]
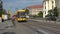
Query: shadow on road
[[8, 33], [22, 22]]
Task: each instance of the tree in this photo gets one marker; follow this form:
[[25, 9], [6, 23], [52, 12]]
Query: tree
[[0, 12], [1, 7], [27, 11], [49, 13], [4, 11], [55, 12], [40, 14]]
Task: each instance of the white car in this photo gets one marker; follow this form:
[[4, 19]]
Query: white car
[[27, 16], [6, 17]]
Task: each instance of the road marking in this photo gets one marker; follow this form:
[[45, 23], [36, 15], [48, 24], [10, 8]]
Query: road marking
[[38, 30], [44, 32], [54, 30], [47, 26]]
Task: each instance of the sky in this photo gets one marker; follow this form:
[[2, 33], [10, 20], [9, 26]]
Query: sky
[[14, 5]]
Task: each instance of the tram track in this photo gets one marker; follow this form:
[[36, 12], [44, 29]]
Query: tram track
[[36, 26]]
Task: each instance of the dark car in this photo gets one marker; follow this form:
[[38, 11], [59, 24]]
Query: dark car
[[53, 18]]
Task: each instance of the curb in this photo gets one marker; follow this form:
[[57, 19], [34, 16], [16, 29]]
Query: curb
[[46, 21]]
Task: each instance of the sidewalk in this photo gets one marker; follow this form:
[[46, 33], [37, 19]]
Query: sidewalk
[[4, 25], [45, 21]]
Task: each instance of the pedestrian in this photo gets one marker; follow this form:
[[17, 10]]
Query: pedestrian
[[0, 19], [13, 20]]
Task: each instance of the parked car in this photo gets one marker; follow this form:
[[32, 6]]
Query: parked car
[[53, 18], [4, 17]]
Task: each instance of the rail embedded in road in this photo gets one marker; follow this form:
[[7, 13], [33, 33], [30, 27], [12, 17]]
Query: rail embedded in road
[[8, 33], [40, 31]]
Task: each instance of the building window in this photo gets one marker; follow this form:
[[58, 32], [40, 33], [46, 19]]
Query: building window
[[45, 12], [45, 7], [52, 2], [48, 5], [52, 6]]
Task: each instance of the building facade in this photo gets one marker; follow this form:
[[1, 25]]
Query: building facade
[[35, 9], [48, 5]]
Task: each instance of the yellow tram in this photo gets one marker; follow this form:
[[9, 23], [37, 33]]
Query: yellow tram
[[21, 15]]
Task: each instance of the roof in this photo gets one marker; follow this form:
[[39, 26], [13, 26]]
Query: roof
[[21, 10], [35, 6]]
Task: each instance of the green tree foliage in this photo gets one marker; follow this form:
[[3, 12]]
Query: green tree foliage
[[40, 14], [55, 12], [4, 12], [27, 11], [0, 12], [49, 13]]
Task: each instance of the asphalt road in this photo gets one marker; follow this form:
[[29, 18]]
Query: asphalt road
[[8, 28], [30, 27], [46, 28]]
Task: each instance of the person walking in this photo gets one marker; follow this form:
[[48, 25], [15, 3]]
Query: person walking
[[0, 19], [13, 20]]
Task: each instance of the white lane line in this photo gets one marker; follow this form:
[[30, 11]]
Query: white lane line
[[49, 27], [40, 30], [44, 32]]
